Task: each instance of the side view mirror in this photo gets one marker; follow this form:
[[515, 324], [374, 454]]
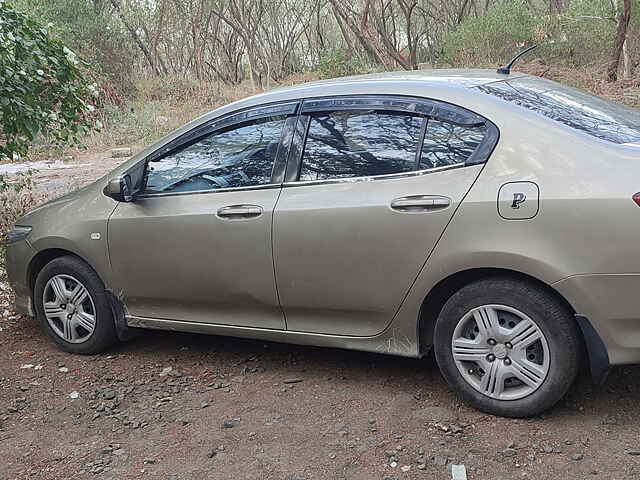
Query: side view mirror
[[119, 189]]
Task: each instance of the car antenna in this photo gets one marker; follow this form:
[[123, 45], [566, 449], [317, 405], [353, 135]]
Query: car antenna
[[506, 69]]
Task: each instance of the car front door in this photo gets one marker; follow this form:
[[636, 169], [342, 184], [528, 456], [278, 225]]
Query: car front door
[[195, 246], [370, 186]]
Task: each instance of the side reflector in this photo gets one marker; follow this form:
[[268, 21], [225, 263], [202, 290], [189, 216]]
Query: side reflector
[[636, 198]]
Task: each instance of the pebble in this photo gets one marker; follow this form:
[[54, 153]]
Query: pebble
[[577, 457], [120, 152], [509, 452], [456, 429], [292, 380], [634, 453], [228, 424], [109, 394], [204, 404], [440, 460]]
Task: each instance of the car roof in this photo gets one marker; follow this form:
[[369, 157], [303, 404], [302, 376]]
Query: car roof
[[437, 81], [471, 77]]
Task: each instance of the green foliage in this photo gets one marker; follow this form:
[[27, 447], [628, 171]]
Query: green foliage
[[43, 89], [90, 30], [337, 62], [491, 38], [587, 30]]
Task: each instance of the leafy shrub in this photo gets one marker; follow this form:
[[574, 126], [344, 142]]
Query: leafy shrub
[[90, 29], [337, 62], [492, 38], [43, 89]]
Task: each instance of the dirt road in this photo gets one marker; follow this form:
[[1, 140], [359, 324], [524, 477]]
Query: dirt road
[[177, 406]]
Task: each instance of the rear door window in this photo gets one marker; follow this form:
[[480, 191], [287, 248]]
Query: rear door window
[[353, 143], [446, 144], [344, 144]]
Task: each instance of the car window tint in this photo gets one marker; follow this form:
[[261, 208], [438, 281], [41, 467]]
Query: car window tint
[[596, 116], [447, 144], [241, 156], [346, 144]]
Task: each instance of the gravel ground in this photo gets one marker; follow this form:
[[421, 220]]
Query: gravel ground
[[178, 406]]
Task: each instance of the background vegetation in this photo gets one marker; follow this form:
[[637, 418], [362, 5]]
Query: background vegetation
[[161, 62]]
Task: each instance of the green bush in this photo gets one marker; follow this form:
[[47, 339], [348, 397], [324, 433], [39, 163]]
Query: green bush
[[43, 87], [587, 31], [337, 62], [90, 29], [492, 38]]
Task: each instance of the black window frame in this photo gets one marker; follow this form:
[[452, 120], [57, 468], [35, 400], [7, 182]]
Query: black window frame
[[424, 107], [288, 109]]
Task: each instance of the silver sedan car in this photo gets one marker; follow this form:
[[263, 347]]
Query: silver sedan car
[[490, 217]]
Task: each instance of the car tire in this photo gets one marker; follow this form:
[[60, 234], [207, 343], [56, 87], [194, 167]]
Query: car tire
[[528, 367], [84, 323]]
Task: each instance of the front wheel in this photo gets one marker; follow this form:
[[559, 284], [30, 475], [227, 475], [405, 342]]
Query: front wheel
[[72, 306], [507, 346]]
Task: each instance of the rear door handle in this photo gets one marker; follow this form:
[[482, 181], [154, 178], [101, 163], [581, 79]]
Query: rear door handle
[[240, 211], [420, 203]]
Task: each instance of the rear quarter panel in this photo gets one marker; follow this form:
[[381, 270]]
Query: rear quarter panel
[[587, 222]]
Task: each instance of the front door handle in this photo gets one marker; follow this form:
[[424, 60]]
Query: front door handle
[[420, 203], [240, 211]]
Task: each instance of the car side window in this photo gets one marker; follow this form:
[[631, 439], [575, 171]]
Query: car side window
[[356, 143], [239, 156], [447, 144]]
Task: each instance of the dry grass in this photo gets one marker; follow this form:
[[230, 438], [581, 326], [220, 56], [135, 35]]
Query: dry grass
[[590, 79]]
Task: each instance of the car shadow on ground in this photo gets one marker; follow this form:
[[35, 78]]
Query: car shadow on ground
[[420, 376]]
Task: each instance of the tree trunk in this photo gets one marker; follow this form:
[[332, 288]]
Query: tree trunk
[[136, 37], [621, 35], [627, 69]]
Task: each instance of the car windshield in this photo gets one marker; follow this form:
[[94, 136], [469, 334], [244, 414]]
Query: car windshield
[[596, 116]]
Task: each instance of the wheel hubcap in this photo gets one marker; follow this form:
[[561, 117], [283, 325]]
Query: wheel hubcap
[[500, 352], [69, 309]]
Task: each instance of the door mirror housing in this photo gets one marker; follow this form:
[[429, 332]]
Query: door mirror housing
[[120, 189]]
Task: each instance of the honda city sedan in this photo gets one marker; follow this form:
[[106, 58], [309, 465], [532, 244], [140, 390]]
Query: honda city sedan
[[490, 217]]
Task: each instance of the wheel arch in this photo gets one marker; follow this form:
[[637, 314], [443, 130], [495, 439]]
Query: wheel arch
[[439, 294], [43, 257]]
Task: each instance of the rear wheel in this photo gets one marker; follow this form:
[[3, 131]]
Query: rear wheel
[[508, 347], [72, 306]]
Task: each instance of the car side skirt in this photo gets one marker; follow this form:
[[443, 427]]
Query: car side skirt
[[392, 341]]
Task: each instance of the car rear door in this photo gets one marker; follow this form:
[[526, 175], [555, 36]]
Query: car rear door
[[370, 186], [196, 245]]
